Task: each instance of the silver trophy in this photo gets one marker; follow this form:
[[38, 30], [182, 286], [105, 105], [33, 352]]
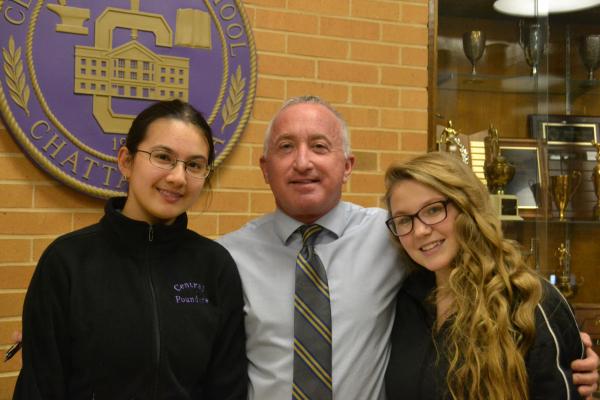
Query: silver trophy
[[590, 53], [473, 46], [533, 43]]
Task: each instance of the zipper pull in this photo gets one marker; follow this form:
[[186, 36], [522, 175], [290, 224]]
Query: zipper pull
[[151, 233]]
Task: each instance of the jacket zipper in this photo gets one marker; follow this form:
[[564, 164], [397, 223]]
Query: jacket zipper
[[155, 321]]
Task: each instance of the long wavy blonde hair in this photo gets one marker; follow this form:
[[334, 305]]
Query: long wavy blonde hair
[[494, 292]]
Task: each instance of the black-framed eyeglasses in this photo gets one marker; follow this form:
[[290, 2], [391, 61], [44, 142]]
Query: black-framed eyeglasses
[[196, 168], [430, 214]]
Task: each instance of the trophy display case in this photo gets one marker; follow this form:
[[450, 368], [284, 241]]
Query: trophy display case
[[524, 90]]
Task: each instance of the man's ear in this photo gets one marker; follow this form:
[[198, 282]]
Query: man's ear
[[125, 161], [349, 164], [263, 167]]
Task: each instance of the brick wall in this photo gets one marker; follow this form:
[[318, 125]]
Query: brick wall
[[367, 57]]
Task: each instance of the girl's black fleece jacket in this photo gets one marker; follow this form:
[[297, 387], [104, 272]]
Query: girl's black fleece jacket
[[417, 368], [127, 310]]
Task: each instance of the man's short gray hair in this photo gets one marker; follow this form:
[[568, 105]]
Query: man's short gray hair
[[309, 99]]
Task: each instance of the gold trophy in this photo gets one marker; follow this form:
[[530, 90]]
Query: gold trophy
[[450, 142], [563, 188], [596, 180], [564, 282], [498, 173]]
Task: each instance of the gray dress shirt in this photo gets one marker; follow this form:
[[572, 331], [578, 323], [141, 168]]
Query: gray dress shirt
[[364, 269]]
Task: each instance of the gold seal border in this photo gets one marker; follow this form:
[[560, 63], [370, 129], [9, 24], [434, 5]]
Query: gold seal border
[[251, 89], [56, 172]]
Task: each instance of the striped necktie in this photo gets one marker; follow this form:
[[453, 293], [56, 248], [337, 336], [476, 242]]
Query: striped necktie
[[312, 323]]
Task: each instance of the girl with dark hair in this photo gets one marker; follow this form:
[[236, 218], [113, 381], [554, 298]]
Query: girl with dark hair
[[138, 306]]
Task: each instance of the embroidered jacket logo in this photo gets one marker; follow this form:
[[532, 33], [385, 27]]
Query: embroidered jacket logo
[[190, 292]]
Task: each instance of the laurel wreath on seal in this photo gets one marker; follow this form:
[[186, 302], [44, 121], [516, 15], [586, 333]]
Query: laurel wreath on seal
[[234, 98], [15, 78]]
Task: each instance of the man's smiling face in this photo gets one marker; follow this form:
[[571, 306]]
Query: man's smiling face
[[305, 164]]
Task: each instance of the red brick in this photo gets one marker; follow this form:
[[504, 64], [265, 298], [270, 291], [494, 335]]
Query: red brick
[[375, 96], [223, 201], [415, 56], [59, 196], [387, 159], [365, 161], [377, 10], [20, 168], [7, 331], [7, 143], [348, 72], [331, 92], [7, 385], [414, 13], [413, 98], [237, 178], [371, 139], [414, 141], [366, 183], [360, 116], [239, 156], [204, 224], [394, 119], [321, 7], [318, 47], [363, 200], [255, 130], [257, 153], [14, 364], [15, 276], [16, 196], [271, 88], [286, 66], [262, 202], [269, 41], [30, 223], [83, 219], [11, 303], [413, 35], [286, 21], [267, 3], [15, 250], [402, 76], [375, 53], [264, 110], [230, 223], [349, 29]]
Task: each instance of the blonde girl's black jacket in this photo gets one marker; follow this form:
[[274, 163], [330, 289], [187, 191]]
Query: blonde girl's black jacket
[[416, 372], [126, 310]]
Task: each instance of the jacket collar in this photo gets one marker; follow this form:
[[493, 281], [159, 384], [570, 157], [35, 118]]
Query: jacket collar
[[419, 285], [129, 231]]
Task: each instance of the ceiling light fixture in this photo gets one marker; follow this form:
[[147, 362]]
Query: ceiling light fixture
[[537, 8]]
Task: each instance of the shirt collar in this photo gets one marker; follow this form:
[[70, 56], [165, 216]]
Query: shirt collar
[[334, 221]]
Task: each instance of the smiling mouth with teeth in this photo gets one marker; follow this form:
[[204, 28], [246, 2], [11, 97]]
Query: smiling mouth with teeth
[[431, 246]]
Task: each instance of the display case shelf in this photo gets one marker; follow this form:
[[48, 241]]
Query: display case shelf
[[525, 84]]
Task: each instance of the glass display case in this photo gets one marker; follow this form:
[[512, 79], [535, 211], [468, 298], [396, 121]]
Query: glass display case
[[535, 80]]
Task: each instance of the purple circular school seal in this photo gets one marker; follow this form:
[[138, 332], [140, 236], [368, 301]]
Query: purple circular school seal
[[75, 73]]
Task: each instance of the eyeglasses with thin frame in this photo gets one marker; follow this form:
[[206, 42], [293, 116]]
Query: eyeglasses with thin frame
[[430, 214], [196, 168]]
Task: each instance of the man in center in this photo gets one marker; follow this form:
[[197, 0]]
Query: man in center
[[306, 161]]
